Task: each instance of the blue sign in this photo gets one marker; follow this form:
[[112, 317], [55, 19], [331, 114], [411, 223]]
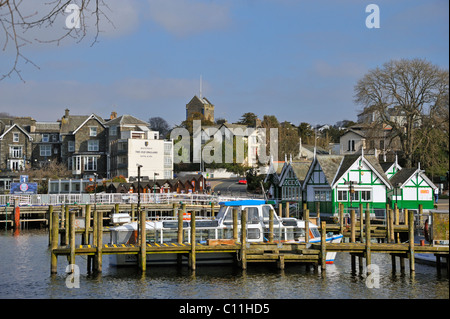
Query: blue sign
[[24, 178], [23, 188]]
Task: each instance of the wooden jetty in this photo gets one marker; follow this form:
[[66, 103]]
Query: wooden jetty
[[245, 253]]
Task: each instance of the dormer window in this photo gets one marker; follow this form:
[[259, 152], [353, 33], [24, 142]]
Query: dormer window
[[93, 131]]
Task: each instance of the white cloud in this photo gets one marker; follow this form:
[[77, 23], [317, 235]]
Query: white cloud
[[186, 17]]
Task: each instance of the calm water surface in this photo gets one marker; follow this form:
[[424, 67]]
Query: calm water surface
[[25, 273]]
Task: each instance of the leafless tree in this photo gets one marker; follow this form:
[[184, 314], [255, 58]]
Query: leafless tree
[[19, 18], [408, 95]]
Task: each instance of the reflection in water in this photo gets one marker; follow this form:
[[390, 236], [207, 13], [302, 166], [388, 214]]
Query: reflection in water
[[25, 268]]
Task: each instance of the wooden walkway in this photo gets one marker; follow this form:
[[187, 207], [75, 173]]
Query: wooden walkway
[[244, 253]]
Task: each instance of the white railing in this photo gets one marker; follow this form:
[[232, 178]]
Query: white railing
[[113, 198]]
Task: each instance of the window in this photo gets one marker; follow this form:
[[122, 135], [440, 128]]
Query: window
[[113, 131], [76, 163], [45, 150], [342, 195], [90, 163], [93, 145], [15, 151], [15, 137], [93, 131], [351, 145], [16, 165], [365, 195], [55, 138], [45, 138], [322, 196], [71, 146], [354, 195]]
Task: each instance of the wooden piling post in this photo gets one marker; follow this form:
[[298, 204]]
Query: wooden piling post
[[95, 236], [180, 223], [50, 223], [352, 226], [66, 226], [287, 209], [87, 223], [341, 218], [305, 206], [412, 266], [280, 209], [142, 241], [244, 239], [353, 236], [391, 225], [306, 226], [192, 257], [323, 244], [396, 223], [174, 209], [54, 244], [368, 253], [271, 215], [212, 209], [318, 211], [361, 223], [420, 215], [235, 224], [72, 240], [133, 212], [99, 256]]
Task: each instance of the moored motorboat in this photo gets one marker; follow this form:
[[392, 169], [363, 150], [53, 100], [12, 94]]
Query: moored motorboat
[[165, 231]]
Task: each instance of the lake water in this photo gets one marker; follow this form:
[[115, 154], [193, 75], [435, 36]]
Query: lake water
[[25, 273]]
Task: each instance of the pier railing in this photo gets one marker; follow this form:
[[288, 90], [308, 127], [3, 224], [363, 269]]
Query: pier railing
[[112, 198]]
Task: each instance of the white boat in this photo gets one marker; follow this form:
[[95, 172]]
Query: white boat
[[431, 236], [164, 231]]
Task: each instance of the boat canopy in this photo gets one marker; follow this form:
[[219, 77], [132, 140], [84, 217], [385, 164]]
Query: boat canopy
[[247, 202]]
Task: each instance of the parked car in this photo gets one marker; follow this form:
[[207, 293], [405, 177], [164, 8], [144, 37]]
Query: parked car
[[242, 181]]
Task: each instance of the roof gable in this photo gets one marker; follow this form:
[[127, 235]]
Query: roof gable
[[288, 173], [329, 165], [92, 116], [20, 128], [406, 174], [370, 161]]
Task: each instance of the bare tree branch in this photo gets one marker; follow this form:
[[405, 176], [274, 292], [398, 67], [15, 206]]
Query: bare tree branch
[[16, 25]]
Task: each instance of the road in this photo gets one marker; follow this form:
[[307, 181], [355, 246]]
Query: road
[[228, 187]]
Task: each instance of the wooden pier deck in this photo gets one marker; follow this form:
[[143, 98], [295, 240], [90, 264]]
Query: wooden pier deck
[[244, 253]]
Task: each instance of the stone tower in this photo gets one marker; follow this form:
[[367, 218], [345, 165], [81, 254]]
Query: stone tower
[[201, 105]]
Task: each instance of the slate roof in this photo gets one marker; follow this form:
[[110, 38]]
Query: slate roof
[[301, 169], [48, 127], [402, 176], [386, 165], [330, 165], [71, 123], [126, 120]]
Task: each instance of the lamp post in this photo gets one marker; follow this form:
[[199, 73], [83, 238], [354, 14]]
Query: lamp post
[[139, 188], [139, 200], [351, 190]]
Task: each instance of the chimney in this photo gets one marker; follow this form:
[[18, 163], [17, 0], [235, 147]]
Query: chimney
[[113, 115], [66, 114]]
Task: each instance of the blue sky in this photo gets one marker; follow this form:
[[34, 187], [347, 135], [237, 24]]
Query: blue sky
[[297, 60]]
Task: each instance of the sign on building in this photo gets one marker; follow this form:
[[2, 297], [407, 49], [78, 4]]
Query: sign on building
[[23, 188]]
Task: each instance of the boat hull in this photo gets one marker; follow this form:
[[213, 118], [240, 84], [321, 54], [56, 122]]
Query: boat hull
[[201, 259]]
